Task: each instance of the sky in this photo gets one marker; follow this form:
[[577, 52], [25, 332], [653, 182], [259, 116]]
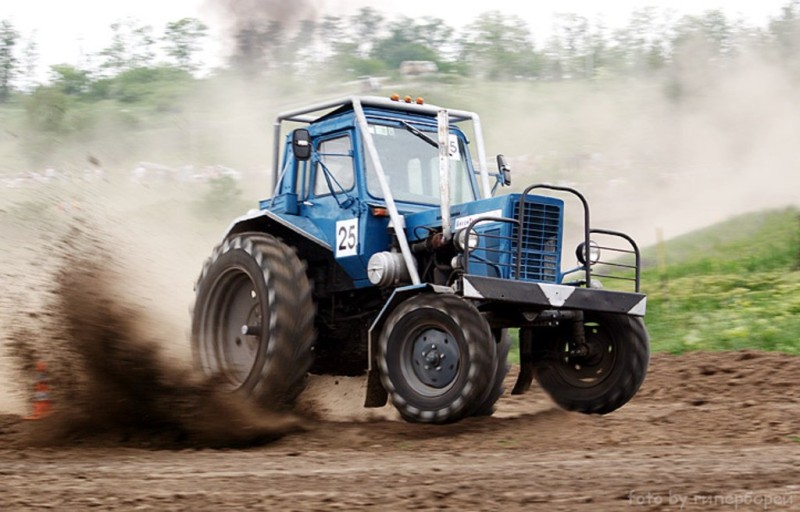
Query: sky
[[68, 30]]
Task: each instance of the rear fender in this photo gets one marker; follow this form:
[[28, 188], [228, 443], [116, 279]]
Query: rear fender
[[301, 233]]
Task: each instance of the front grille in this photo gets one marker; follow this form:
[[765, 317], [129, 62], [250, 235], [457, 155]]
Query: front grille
[[541, 224]]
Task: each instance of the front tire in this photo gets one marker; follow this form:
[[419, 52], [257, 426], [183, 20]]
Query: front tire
[[252, 323], [437, 358], [608, 376], [487, 407]]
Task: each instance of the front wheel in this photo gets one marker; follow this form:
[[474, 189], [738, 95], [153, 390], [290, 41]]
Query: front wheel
[[437, 358], [608, 371], [503, 344]]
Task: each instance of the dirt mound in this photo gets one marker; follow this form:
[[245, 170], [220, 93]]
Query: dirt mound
[[110, 381], [699, 378]]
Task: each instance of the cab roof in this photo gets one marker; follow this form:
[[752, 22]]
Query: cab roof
[[319, 111]]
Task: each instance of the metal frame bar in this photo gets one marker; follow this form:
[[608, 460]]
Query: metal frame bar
[[586, 229], [398, 223], [471, 227], [443, 124], [635, 252]]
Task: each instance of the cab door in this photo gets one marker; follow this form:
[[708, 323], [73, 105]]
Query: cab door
[[331, 200]]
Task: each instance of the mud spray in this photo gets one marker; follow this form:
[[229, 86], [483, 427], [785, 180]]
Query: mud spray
[[110, 381]]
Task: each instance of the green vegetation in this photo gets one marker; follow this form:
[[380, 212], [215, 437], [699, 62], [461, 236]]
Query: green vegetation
[[731, 286]]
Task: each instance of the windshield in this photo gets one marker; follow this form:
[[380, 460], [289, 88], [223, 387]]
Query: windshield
[[411, 165]]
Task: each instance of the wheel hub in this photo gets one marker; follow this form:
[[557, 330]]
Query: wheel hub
[[586, 364], [238, 326], [435, 358], [588, 353]]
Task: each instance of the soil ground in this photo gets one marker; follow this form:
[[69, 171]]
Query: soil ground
[[708, 431]]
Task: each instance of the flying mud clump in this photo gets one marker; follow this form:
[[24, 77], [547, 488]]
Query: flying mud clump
[[109, 380]]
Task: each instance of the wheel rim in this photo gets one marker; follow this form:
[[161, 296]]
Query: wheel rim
[[431, 361], [235, 304], [589, 370]]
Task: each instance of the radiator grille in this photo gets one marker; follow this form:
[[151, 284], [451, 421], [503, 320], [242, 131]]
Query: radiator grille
[[540, 251]]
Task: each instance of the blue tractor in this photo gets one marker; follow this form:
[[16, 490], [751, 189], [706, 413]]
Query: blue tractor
[[384, 251]]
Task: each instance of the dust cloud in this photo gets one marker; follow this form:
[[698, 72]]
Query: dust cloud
[[678, 152], [111, 381], [256, 29], [244, 12]]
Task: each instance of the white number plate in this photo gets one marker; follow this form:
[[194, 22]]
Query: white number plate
[[453, 147], [347, 237]]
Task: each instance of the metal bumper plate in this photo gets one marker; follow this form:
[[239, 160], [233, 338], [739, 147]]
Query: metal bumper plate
[[557, 296]]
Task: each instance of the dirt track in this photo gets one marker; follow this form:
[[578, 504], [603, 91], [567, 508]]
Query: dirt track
[[707, 431]]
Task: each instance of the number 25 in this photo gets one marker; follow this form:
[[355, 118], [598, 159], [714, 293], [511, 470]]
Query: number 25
[[347, 237]]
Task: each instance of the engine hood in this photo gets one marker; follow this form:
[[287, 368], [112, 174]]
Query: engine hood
[[417, 224]]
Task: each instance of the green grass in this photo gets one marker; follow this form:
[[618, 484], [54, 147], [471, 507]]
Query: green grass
[[734, 285]]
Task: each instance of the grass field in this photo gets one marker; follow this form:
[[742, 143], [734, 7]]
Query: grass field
[[731, 286]]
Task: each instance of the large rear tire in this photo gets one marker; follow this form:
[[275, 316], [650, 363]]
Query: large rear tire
[[608, 376], [252, 323], [437, 358]]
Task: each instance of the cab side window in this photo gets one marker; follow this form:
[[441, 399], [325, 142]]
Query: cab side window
[[335, 157]]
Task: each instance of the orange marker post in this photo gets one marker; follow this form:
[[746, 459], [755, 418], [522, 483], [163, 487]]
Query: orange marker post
[[42, 404]]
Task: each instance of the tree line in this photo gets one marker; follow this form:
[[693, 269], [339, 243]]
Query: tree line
[[494, 46], [132, 46]]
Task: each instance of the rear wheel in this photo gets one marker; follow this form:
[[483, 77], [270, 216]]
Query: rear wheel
[[437, 358], [252, 324], [606, 374]]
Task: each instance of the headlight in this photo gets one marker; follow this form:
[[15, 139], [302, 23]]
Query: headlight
[[461, 240], [593, 252]]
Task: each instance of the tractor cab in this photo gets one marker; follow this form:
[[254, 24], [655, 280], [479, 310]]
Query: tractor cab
[[355, 166], [334, 161]]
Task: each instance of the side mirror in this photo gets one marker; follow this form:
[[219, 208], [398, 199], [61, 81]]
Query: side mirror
[[504, 171], [301, 144]]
